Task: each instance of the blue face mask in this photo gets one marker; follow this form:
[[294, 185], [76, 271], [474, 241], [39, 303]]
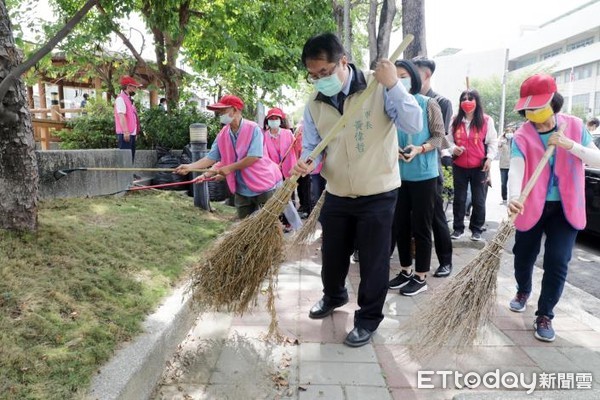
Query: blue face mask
[[273, 123], [406, 83], [329, 86]]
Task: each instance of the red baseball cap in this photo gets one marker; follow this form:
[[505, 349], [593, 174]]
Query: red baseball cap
[[276, 112], [227, 101], [126, 80], [536, 92]]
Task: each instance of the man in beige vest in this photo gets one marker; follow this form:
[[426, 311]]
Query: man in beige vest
[[361, 169]]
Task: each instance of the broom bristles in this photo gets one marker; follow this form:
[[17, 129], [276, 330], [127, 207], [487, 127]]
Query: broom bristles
[[456, 311], [305, 235], [234, 270]]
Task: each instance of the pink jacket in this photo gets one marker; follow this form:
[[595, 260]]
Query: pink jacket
[[567, 168], [130, 116], [261, 176], [281, 150]]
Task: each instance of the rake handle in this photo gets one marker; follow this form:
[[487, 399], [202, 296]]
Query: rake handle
[[536, 174], [140, 169], [341, 123]]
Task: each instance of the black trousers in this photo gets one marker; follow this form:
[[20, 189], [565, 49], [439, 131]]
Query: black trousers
[[478, 180], [123, 145], [439, 226], [304, 193], [413, 218], [368, 221]]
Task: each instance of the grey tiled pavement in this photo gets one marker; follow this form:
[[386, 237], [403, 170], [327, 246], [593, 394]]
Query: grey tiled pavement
[[225, 356]]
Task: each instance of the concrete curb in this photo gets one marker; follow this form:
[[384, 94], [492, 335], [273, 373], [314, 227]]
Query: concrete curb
[[135, 369]]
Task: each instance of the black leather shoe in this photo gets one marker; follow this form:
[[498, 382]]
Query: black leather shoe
[[358, 337], [322, 309], [443, 271]]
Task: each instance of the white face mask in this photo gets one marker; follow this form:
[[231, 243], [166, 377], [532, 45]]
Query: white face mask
[[273, 123], [406, 83], [509, 136], [225, 119]]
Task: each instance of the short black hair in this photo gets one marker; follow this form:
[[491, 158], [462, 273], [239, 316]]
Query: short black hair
[[162, 100], [415, 77], [325, 46], [594, 121], [85, 95], [556, 103], [421, 61]]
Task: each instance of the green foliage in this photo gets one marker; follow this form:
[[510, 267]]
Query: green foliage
[[171, 129], [79, 287], [93, 130], [253, 48]]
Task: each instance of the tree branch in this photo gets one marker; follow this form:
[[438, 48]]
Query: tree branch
[[44, 50]]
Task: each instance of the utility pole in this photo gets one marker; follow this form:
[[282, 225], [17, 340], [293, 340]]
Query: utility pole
[[503, 103]]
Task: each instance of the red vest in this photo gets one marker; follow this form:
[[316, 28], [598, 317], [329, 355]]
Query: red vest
[[474, 145]]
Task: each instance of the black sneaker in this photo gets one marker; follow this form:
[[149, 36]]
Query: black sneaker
[[443, 271], [476, 237], [456, 235], [400, 280], [414, 287]]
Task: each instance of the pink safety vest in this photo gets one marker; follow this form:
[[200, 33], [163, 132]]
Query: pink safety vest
[[568, 169], [281, 150], [261, 176], [130, 115], [474, 145]]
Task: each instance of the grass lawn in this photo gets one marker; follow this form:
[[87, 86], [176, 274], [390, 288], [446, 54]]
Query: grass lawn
[[84, 282]]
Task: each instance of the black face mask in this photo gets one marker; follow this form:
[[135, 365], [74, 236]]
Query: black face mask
[[131, 94]]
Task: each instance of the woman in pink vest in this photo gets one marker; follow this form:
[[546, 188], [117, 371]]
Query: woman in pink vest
[[250, 174], [556, 205], [473, 144], [280, 141]]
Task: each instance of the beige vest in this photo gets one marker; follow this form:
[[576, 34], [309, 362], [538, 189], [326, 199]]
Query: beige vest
[[362, 160]]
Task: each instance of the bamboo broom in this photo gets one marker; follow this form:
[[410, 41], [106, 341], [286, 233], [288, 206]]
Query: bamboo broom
[[231, 275], [456, 311]]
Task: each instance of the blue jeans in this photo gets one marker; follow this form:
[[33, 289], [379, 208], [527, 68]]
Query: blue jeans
[[560, 239], [123, 145], [504, 182]]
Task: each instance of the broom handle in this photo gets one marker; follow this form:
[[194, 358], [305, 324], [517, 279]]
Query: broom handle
[[341, 123], [536, 174], [141, 169]]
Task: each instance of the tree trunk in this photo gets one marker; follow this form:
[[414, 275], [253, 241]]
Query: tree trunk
[[372, 31], [338, 16], [413, 21], [18, 163], [379, 39]]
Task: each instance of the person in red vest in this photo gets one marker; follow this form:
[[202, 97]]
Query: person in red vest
[[555, 208], [239, 147], [473, 144], [127, 122]]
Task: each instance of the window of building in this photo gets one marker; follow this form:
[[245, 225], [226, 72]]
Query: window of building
[[597, 104], [580, 43], [581, 101], [583, 71], [525, 62], [558, 77], [550, 54]]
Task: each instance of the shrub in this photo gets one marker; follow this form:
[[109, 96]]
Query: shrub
[[93, 130], [172, 129]]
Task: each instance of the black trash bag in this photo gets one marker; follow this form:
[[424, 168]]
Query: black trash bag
[[160, 178]]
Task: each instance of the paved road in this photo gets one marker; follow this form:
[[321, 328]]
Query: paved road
[[584, 269]]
